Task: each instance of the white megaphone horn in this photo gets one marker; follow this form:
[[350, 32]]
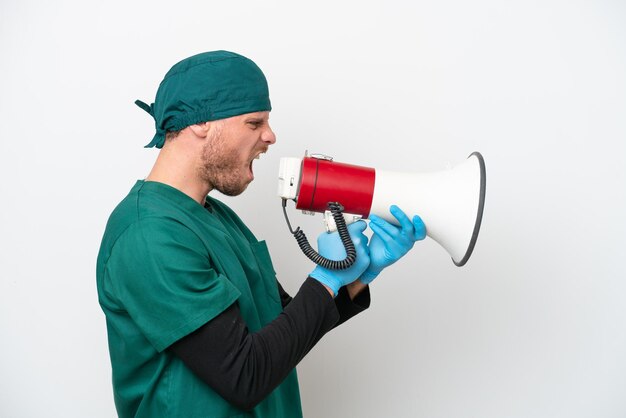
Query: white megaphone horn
[[450, 202]]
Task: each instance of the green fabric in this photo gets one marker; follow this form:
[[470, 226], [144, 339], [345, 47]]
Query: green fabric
[[208, 86], [166, 266]]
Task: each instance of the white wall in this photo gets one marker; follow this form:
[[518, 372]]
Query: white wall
[[533, 326]]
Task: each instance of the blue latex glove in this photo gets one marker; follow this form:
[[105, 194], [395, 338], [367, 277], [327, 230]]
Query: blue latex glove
[[390, 242], [330, 246]]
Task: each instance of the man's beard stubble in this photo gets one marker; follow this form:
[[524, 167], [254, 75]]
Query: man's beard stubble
[[220, 168]]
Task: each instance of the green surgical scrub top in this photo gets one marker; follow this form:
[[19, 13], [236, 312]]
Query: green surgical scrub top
[[166, 266]]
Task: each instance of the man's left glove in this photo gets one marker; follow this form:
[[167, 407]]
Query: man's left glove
[[389, 242], [330, 246]]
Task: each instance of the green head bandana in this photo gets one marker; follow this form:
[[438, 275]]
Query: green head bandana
[[208, 86]]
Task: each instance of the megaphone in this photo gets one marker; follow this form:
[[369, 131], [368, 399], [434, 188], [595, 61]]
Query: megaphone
[[450, 202]]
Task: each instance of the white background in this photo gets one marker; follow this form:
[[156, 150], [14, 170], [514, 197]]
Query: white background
[[532, 326]]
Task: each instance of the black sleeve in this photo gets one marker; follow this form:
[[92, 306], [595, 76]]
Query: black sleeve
[[284, 296], [245, 367], [347, 307]]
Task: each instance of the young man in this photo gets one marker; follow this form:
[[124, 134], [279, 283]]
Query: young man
[[198, 325]]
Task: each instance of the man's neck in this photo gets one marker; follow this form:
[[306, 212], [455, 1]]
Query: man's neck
[[176, 172]]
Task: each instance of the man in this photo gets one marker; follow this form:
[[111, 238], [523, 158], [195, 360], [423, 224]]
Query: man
[[198, 325]]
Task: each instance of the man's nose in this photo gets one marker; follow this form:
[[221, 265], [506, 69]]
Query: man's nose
[[268, 136]]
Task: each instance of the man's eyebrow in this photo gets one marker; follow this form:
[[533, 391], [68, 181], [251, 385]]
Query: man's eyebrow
[[255, 119]]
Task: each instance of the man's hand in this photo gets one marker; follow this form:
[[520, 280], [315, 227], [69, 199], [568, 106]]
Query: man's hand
[[330, 246], [389, 242]]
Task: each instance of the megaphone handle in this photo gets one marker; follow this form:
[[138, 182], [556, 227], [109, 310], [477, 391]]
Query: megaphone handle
[[329, 220], [344, 235]]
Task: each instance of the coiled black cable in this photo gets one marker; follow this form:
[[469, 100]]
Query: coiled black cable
[[337, 211]]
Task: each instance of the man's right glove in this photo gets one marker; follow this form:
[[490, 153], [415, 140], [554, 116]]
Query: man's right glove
[[330, 246]]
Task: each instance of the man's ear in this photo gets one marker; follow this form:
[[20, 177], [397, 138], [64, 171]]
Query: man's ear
[[201, 129]]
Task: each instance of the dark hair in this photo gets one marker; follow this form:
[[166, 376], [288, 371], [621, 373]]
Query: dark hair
[[172, 134]]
